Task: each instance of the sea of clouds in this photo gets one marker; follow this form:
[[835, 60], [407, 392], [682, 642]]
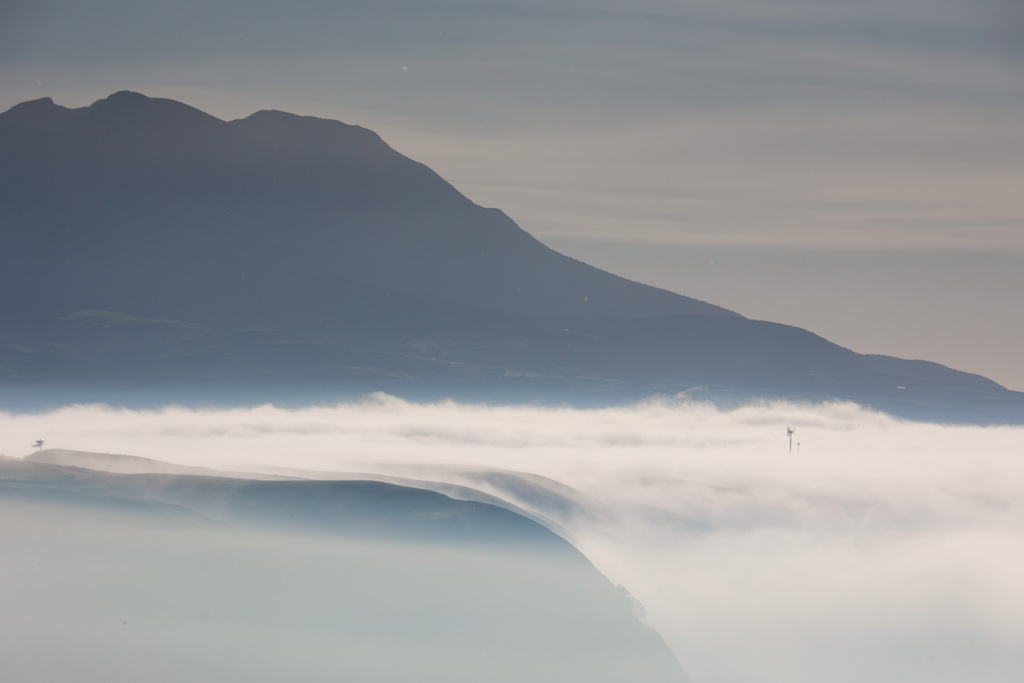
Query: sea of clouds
[[873, 549]]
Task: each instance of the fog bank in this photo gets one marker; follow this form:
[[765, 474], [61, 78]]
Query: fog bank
[[875, 550]]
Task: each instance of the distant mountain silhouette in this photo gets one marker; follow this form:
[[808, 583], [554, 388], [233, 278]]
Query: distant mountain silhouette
[[146, 245], [151, 207]]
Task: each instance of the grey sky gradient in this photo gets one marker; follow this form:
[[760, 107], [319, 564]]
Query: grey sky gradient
[[878, 550], [854, 166]]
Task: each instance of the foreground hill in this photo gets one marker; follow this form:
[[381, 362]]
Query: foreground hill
[[151, 251], [208, 578]]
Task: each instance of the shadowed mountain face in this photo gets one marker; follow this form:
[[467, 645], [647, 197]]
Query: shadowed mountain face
[[149, 207], [148, 247], [208, 578]]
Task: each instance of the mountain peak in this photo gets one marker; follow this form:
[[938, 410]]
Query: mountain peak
[[307, 131], [39, 104], [27, 113], [135, 109], [126, 96]]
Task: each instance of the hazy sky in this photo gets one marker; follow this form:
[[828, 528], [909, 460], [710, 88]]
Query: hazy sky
[[849, 166], [877, 550]]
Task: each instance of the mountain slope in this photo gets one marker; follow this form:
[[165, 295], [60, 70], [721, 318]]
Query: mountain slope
[[151, 207], [146, 246]]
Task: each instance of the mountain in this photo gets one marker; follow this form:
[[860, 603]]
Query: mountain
[[214, 578], [274, 214], [151, 251]]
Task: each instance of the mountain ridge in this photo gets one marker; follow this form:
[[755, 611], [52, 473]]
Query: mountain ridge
[[325, 176], [305, 252]]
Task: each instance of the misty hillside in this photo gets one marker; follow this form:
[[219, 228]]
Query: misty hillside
[[203, 578], [151, 252]]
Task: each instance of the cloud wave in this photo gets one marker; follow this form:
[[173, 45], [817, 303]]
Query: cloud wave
[[876, 549]]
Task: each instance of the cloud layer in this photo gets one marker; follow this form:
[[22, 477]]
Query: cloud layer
[[876, 550]]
